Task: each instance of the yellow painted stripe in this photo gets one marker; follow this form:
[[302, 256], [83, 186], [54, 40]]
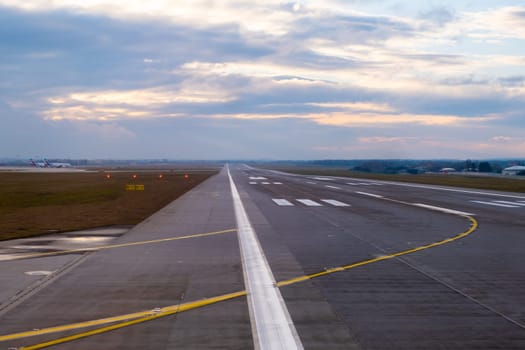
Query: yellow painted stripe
[[165, 312], [170, 310], [113, 246]]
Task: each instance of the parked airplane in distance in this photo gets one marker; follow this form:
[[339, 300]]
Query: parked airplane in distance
[[38, 164], [47, 164], [57, 165]]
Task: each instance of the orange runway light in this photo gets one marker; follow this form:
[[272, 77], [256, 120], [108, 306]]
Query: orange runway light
[[108, 176], [161, 176], [134, 176], [186, 176]]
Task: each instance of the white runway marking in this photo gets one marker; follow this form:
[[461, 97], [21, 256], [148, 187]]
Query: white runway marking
[[272, 326], [265, 183], [438, 188], [443, 210], [334, 187], [309, 202], [335, 203], [370, 194], [511, 203], [277, 183], [283, 202], [311, 182], [496, 204], [257, 178], [322, 178], [253, 183]]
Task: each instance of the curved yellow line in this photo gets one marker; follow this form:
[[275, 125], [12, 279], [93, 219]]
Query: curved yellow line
[[144, 316], [113, 246]]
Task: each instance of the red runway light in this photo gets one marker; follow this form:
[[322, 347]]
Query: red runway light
[[134, 176], [186, 176], [161, 176], [108, 176]]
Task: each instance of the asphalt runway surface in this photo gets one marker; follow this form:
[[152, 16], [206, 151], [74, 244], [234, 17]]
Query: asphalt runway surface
[[329, 263]]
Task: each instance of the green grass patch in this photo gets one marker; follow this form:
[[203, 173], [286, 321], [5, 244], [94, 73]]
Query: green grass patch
[[38, 203]]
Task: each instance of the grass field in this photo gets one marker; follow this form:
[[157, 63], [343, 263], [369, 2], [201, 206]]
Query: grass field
[[38, 203], [478, 182]]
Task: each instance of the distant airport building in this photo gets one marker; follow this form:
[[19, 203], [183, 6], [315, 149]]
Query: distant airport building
[[514, 170]]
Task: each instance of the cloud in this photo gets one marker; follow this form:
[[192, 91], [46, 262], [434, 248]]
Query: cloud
[[333, 75]]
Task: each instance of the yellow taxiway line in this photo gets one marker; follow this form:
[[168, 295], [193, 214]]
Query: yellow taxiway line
[[145, 316], [113, 246]]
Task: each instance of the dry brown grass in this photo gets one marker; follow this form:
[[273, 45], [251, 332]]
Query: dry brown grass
[[37, 203]]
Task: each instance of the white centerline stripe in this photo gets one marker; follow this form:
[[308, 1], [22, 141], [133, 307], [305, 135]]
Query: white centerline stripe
[[334, 187], [335, 203], [272, 326], [283, 202], [277, 183], [253, 183], [496, 204], [511, 203], [265, 183], [370, 194], [309, 202], [443, 210], [311, 183]]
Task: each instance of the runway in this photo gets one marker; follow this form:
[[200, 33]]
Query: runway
[[358, 264]]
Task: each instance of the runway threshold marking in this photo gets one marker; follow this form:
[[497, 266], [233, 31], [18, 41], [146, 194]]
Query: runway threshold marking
[[144, 316], [282, 202], [335, 203], [272, 325], [113, 246], [309, 203]]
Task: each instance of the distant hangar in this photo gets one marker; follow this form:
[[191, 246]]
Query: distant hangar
[[514, 170]]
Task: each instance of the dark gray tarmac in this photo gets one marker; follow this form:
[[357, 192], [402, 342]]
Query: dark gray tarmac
[[467, 294]]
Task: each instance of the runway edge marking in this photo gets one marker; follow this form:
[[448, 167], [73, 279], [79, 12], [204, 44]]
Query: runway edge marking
[[272, 325]]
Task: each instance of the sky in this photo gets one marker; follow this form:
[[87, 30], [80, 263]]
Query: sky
[[232, 79]]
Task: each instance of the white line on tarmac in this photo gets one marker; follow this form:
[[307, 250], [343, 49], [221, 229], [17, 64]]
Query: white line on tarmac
[[496, 204], [370, 194], [283, 202], [272, 326], [335, 203], [511, 203], [443, 210], [309, 202], [334, 187], [438, 188]]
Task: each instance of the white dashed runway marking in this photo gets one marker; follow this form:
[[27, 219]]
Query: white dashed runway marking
[[283, 202], [335, 203], [309, 203]]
